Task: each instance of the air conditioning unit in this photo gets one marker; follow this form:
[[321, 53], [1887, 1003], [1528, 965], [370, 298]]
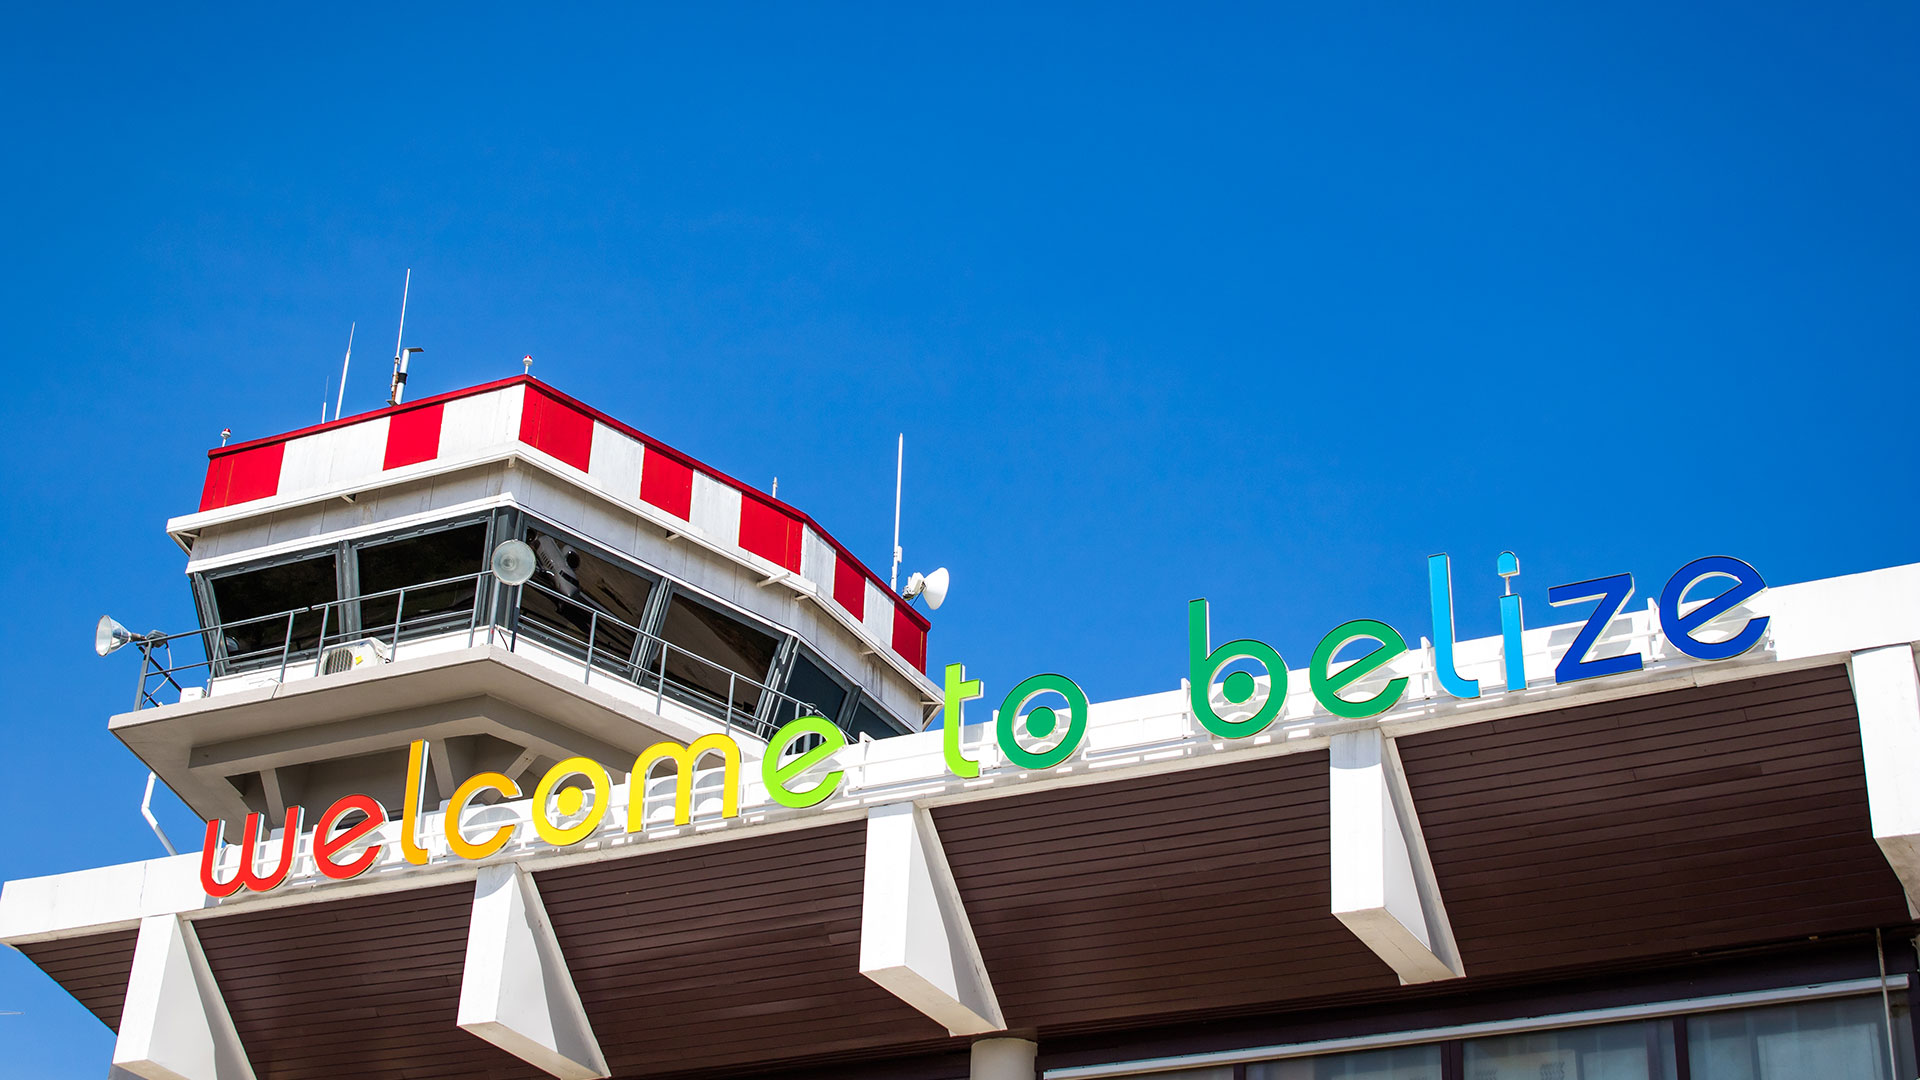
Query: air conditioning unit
[[353, 654]]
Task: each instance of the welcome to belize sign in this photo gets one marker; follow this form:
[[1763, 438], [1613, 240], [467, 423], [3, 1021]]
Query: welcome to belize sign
[[570, 802]]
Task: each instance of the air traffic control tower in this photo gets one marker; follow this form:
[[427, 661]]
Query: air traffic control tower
[[349, 606]]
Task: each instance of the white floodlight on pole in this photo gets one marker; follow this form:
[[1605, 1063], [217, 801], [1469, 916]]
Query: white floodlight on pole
[[109, 635], [514, 563], [931, 586]]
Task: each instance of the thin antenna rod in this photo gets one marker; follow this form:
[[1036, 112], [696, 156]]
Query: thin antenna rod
[[399, 384], [401, 336], [343, 364], [899, 470]]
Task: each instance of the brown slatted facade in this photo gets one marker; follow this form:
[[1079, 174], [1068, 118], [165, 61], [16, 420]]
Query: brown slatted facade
[[718, 956], [366, 988], [1192, 891], [93, 969], [1684, 821]]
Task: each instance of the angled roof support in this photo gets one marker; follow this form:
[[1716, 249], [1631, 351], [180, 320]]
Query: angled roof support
[[175, 1024], [1384, 888], [915, 940], [1886, 692], [516, 991]]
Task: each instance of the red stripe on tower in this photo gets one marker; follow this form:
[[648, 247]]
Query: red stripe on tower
[[413, 436], [849, 587], [243, 476], [556, 428], [768, 531], [909, 637], [667, 483]]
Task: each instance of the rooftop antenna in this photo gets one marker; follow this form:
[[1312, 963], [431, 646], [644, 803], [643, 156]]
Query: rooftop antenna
[[526, 365], [397, 391], [343, 364], [899, 469], [225, 434]]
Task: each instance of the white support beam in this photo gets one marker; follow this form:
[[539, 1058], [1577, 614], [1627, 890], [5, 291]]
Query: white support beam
[[175, 1025], [1383, 884], [1886, 693], [516, 991], [915, 940]]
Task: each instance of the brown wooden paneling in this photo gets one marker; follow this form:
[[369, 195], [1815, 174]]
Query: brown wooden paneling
[[730, 955], [1192, 891], [1682, 821], [362, 988], [93, 969]]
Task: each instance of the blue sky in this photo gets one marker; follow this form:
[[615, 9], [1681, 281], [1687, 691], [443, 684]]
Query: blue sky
[[1254, 304]]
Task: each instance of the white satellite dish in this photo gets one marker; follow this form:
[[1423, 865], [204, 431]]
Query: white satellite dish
[[513, 563], [932, 586], [109, 635]]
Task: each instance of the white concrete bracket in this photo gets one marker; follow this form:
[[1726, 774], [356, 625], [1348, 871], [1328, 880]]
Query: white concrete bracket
[[1886, 693], [516, 991], [175, 1025], [1384, 888], [915, 940]]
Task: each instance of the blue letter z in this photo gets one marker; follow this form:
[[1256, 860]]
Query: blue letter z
[[1613, 593]]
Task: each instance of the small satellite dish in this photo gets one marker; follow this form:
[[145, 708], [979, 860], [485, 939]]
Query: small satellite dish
[[109, 635], [932, 586], [513, 563]]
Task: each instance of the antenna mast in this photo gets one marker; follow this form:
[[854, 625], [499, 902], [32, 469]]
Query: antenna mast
[[343, 365], [398, 388], [899, 469]]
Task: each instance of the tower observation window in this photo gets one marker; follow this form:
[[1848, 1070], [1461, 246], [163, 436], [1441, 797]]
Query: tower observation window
[[416, 560], [810, 682], [694, 627], [570, 585], [242, 599]]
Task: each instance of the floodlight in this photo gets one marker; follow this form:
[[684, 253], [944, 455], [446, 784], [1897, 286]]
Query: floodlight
[[932, 586], [109, 635], [513, 563]]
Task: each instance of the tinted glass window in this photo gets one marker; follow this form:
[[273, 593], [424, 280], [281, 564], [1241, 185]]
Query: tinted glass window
[[724, 644], [416, 560], [1398, 1063], [570, 584], [1842, 1038], [869, 721], [809, 683], [1642, 1051], [273, 590]]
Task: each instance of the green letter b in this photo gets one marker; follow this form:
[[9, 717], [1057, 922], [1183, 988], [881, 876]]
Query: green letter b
[[1203, 665]]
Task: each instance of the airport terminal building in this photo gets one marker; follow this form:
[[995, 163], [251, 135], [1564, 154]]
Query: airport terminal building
[[533, 747]]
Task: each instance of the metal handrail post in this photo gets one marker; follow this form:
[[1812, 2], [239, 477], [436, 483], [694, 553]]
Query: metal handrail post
[[593, 627], [731, 676], [320, 646], [286, 646], [660, 687], [513, 640], [399, 607], [140, 688]]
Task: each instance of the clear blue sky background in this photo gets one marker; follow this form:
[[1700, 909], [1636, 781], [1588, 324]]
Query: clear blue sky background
[[1170, 302]]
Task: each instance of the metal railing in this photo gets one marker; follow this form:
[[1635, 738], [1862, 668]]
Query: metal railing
[[296, 644]]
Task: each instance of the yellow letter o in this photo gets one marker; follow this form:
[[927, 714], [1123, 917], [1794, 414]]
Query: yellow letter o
[[596, 775]]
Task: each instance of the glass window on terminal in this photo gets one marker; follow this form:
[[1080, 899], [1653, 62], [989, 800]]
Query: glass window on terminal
[[811, 686], [707, 644], [244, 600], [420, 559], [578, 599]]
